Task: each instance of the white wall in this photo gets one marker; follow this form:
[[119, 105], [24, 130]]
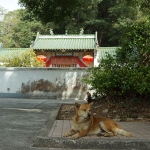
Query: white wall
[[62, 83]]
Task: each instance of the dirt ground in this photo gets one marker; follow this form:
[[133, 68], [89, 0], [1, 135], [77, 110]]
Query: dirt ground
[[122, 111]]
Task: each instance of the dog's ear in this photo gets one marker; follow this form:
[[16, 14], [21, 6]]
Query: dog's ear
[[77, 105], [91, 104]]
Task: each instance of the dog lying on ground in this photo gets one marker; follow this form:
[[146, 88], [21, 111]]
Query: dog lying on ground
[[84, 123]]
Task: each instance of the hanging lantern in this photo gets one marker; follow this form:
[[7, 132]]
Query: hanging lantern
[[88, 59], [41, 58]]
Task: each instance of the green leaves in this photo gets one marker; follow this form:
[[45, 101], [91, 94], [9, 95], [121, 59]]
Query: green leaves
[[118, 81], [18, 29], [26, 59], [127, 76], [51, 10]]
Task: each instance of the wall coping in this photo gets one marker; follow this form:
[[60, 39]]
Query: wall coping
[[38, 68]]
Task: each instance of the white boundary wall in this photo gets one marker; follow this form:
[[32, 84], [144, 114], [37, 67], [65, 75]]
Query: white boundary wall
[[51, 83]]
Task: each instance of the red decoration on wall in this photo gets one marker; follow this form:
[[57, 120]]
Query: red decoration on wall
[[41, 58], [65, 60], [88, 59]]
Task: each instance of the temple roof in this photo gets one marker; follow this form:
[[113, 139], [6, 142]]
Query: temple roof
[[67, 42], [103, 51]]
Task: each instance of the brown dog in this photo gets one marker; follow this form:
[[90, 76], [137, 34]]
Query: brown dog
[[84, 123]]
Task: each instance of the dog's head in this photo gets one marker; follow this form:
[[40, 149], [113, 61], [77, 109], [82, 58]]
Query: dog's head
[[84, 110]]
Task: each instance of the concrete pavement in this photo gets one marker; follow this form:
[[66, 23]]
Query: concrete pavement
[[21, 120]]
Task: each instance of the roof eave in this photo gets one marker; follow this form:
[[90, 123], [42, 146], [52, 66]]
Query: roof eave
[[54, 50]]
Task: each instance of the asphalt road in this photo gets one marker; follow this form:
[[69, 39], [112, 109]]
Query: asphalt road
[[21, 120]]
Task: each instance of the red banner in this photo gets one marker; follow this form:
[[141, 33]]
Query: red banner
[[64, 60]]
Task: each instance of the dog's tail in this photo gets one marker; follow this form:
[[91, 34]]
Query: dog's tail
[[125, 133]]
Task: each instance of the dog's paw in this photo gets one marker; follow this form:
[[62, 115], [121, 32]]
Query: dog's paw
[[99, 134], [75, 136], [66, 135]]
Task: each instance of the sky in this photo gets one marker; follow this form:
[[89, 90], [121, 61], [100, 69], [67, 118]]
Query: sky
[[9, 5]]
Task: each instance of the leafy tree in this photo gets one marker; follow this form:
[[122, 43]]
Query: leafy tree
[[80, 16], [26, 59], [135, 44], [51, 10], [19, 29], [68, 15], [142, 4], [111, 18], [108, 17], [7, 25], [25, 32]]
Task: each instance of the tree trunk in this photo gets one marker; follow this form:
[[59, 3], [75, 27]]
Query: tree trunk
[[100, 36]]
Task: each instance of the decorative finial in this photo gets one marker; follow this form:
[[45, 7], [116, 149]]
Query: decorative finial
[[66, 32], [81, 31], [51, 31]]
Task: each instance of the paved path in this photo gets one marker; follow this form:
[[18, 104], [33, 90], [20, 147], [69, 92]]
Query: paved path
[[140, 130]]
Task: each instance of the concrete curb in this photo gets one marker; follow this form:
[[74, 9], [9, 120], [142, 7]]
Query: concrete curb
[[92, 143], [49, 123]]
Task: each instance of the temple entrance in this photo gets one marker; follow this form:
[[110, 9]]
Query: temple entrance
[[64, 65], [64, 61]]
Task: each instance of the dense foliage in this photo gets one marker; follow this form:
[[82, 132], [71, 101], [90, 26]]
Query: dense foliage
[[26, 59], [125, 76], [18, 29], [107, 17], [51, 10]]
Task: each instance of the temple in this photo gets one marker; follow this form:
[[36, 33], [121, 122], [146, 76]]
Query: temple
[[76, 50]]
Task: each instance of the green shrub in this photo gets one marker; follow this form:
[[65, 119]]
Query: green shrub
[[127, 75], [25, 59]]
